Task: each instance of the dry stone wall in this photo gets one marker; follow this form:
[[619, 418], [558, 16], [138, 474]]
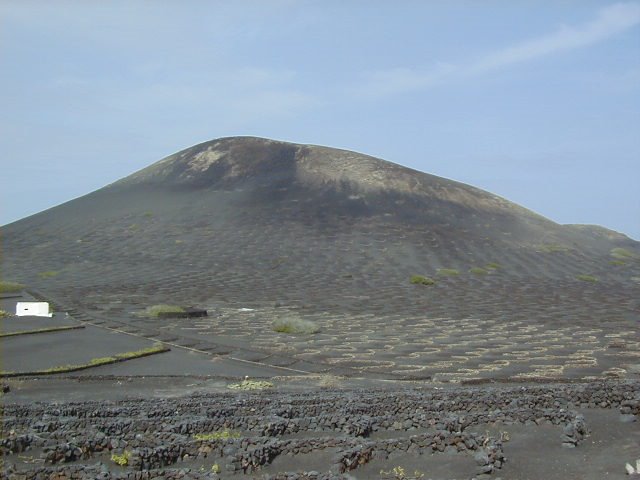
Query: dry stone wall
[[243, 433]]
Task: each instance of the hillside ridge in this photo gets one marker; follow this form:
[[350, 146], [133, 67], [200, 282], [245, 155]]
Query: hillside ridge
[[229, 162]]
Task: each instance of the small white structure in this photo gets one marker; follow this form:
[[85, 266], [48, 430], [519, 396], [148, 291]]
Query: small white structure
[[34, 309]]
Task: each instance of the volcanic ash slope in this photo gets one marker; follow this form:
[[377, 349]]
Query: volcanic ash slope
[[247, 220]]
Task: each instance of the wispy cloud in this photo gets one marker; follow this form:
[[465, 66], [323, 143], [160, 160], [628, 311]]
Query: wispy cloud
[[239, 95], [610, 21]]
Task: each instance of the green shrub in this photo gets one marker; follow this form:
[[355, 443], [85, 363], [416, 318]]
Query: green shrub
[[122, 460], [295, 325], [622, 253], [48, 274], [448, 272], [420, 280], [11, 287], [493, 266], [587, 278], [479, 271], [156, 310], [399, 473]]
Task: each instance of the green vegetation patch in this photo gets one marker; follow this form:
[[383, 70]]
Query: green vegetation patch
[[48, 274], [247, 384], [448, 272], [295, 325], [493, 266], [421, 280], [122, 459], [4, 314], [94, 362], [39, 330], [478, 271], [221, 435], [623, 254], [11, 287], [587, 278], [155, 310], [618, 263]]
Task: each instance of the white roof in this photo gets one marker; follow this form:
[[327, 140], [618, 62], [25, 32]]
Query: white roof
[[37, 309]]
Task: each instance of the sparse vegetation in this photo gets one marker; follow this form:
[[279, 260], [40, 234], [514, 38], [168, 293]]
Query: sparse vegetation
[[39, 330], [493, 266], [329, 381], [4, 314], [248, 384], [11, 287], [448, 272], [399, 473], [587, 278], [48, 274], [478, 271], [221, 435], [421, 280], [295, 325], [156, 310], [122, 459], [623, 254], [618, 263], [94, 362]]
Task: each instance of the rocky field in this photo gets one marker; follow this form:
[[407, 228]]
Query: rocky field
[[262, 431]]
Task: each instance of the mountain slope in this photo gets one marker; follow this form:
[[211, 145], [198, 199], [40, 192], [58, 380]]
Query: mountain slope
[[231, 215], [256, 230]]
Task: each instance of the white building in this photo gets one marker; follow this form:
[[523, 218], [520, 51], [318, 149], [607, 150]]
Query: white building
[[37, 309]]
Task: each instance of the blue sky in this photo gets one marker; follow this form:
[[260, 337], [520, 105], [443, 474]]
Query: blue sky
[[537, 101]]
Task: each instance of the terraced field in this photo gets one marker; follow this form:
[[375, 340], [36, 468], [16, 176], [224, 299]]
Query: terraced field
[[527, 316]]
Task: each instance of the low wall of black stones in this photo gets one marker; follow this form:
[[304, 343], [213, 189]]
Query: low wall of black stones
[[76, 440]]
